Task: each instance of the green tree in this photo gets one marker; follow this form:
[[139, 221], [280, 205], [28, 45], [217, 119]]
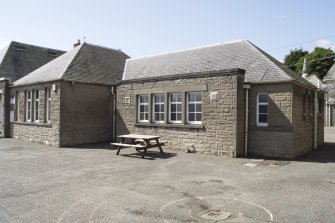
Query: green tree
[[319, 62], [293, 57]]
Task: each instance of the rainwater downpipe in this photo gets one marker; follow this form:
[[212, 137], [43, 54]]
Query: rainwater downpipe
[[114, 112], [246, 122]]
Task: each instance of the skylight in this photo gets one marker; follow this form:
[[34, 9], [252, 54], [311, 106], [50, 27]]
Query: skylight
[[52, 53], [21, 48]]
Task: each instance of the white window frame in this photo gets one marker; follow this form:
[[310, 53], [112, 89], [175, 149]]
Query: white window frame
[[36, 109], [176, 103], [262, 124], [28, 106], [48, 105], [154, 112], [195, 111], [139, 108]]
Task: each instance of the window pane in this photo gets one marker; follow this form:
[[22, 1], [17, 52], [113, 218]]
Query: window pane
[[263, 109], [179, 107], [161, 117], [141, 116], [157, 108], [161, 108], [263, 118], [198, 117], [198, 107], [173, 116], [143, 99], [145, 108], [178, 116], [198, 96], [179, 97], [141, 108], [263, 98], [173, 107], [146, 116], [191, 108], [191, 97], [191, 117]]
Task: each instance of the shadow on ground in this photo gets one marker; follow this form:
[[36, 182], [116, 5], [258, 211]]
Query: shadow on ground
[[324, 154], [150, 155]]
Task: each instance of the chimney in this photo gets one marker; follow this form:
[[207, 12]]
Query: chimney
[[77, 43], [304, 69]]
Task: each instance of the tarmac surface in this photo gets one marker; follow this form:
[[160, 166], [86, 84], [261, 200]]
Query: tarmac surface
[[92, 184]]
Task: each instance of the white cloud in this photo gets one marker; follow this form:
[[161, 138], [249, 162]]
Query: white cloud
[[3, 44], [325, 43]]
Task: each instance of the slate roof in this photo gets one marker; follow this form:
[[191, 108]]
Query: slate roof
[[85, 63], [259, 66], [18, 59], [317, 82], [330, 74]]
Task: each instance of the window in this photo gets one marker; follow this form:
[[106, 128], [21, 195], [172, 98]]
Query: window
[[51, 53], [158, 108], [48, 108], [21, 48], [175, 108], [143, 104], [28, 106], [262, 109], [36, 105], [18, 105], [194, 107]]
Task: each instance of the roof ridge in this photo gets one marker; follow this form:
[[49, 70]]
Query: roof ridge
[[192, 48], [103, 47]]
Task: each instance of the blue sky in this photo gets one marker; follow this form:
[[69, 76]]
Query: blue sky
[[147, 27]]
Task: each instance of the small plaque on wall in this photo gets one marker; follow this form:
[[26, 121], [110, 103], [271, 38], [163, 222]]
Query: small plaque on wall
[[214, 96], [127, 100]]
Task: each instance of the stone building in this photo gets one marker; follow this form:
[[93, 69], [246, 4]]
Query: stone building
[[329, 86], [70, 100], [17, 60], [229, 99]]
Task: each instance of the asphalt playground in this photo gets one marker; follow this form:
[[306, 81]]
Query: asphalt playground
[[92, 184]]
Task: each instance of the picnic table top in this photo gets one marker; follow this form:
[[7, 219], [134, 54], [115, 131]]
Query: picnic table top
[[136, 136]]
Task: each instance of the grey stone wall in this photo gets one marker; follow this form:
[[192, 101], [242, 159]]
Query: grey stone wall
[[276, 140], [41, 132], [86, 114], [221, 132]]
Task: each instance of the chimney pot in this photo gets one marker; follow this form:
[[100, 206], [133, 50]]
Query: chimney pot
[[77, 43]]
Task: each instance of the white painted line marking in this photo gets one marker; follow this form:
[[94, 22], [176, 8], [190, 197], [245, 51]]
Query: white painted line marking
[[228, 198]]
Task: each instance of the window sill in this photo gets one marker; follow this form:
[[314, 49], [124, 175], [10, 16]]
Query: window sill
[[188, 126], [33, 124]]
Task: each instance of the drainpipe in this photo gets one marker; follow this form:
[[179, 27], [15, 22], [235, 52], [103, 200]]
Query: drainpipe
[[114, 112], [316, 119], [326, 109], [246, 121]]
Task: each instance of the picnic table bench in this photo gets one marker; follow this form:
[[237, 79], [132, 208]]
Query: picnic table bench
[[139, 142]]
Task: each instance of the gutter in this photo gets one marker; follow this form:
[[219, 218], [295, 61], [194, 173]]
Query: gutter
[[246, 121], [316, 119]]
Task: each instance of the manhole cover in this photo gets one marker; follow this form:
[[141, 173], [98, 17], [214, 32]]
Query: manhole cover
[[215, 215]]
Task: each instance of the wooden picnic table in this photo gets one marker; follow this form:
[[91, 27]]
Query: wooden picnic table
[[139, 142]]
